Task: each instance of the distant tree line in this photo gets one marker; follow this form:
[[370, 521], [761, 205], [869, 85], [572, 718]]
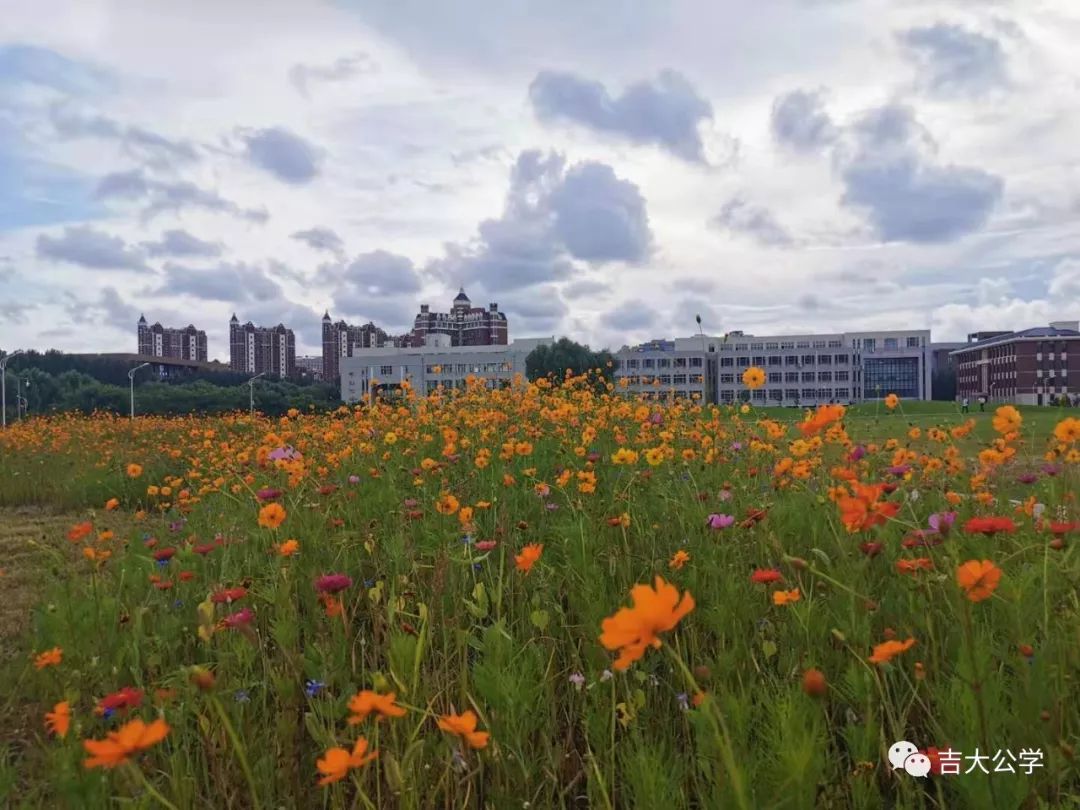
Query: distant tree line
[[554, 359], [64, 382]]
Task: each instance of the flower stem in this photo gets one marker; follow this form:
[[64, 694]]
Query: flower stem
[[239, 749], [150, 788]]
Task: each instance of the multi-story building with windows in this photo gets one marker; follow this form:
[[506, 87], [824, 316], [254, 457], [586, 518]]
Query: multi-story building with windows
[[1027, 368], [341, 339], [464, 324], [684, 368], [187, 343], [894, 362], [261, 350], [436, 365]]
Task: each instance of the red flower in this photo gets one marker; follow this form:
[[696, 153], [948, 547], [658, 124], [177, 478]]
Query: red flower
[[871, 549], [752, 517], [205, 548], [763, 576], [268, 494], [486, 545], [187, 576], [164, 553], [333, 583], [126, 698], [242, 618], [228, 595], [163, 585], [1059, 529], [989, 525], [917, 564]]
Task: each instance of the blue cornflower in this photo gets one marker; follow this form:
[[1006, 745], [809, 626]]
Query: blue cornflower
[[163, 563], [312, 687], [242, 696]]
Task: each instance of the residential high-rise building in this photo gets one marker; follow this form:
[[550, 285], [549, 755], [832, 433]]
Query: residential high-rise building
[[261, 350], [465, 324], [188, 343], [341, 340]]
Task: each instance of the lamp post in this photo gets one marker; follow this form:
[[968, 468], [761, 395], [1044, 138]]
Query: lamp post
[[251, 392], [131, 382], [22, 404], [3, 385]]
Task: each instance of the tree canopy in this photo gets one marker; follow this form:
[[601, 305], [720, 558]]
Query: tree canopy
[[554, 359]]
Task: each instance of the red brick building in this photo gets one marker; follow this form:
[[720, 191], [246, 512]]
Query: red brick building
[[1030, 367], [188, 343], [339, 339], [262, 350], [465, 324]]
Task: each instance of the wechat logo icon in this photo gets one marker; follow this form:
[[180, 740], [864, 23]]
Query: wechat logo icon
[[905, 755]]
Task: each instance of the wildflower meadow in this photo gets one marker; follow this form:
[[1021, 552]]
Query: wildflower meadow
[[545, 596]]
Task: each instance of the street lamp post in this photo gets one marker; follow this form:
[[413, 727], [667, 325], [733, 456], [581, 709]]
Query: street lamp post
[[131, 382], [251, 392], [22, 404], [3, 385]]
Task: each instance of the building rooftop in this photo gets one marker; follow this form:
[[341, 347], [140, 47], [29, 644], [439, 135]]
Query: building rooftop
[[1024, 334]]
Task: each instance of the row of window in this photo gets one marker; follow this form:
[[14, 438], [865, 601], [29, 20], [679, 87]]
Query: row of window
[[783, 344], [664, 362], [774, 377], [665, 379], [785, 360], [793, 395]]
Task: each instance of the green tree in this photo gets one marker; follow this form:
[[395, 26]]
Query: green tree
[[554, 359]]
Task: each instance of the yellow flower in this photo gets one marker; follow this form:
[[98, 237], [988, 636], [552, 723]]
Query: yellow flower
[[134, 470], [753, 377]]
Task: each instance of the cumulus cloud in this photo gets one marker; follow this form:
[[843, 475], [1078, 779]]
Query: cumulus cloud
[[953, 60], [539, 310], [586, 288], [800, 122], [664, 112], [283, 154], [303, 76], [159, 196], [91, 248], [380, 273], [1065, 283], [551, 217], [178, 242], [150, 147], [891, 176], [235, 282], [757, 222], [321, 239]]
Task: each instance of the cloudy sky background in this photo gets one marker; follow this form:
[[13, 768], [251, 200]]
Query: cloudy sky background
[[605, 170]]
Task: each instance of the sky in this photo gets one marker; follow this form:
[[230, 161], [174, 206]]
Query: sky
[[605, 170]]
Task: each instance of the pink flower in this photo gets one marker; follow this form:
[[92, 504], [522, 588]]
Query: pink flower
[[715, 521], [486, 545], [941, 522], [268, 494], [857, 453], [242, 618], [333, 583], [354, 479]]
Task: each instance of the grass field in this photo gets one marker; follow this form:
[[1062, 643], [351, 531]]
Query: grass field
[[244, 610]]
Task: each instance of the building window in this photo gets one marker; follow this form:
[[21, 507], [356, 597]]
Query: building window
[[869, 344], [893, 375], [840, 359], [842, 376], [756, 347], [791, 393], [696, 362], [890, 343], [742, 362], [759, 360], [679, 362], [740, 347], [825, 393], [775, 377], [386, 371], [809, 393], [665, 379], [727, 379], [807, 376], [648, 362], [679, 379], [758, 395], [727, 395], [772, 346], [824, 376], [791, 376], [791, 360], [775, 360], [663, 362], [632, 363], [824, 359], [776, 395], [835, 344], [819, 344], [914, 342], [727, 362], [808, 359], [843, 393]]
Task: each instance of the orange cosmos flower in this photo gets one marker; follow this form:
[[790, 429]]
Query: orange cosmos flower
[[824, 416], [680, 559], [864, 510], [891, 401], [134, 470], [753, 377], [111, 504], [337, 762], [79, 531], [913, 565], [786, 597], [272, 515], [1007, 419], [59, 719], [464, 725], [49, 658], [655, 610], [119, 745], [447, 504], [887, 650], [288, 548], [978, 579], [364, 703], [1067, 431], [528, 557]]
